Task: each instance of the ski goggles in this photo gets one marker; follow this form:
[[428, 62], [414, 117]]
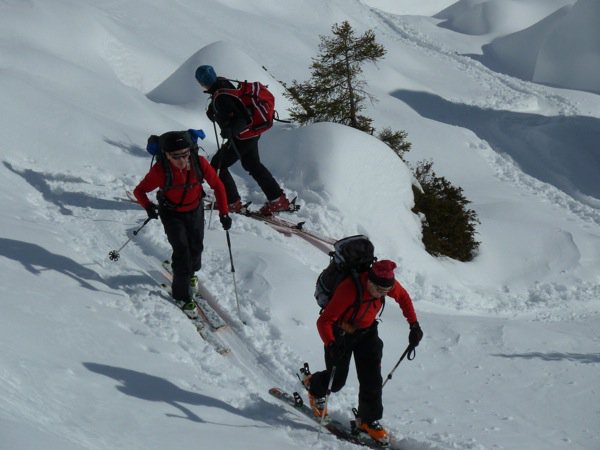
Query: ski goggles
[[178, 156]]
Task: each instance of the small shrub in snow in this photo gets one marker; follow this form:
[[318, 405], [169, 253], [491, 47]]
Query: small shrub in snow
[[448, 225]]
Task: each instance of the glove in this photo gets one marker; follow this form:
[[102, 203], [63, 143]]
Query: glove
[[225, 221], [415, 335], [334, 351], [226, 133], [197, 133], [152, 211], [152, 145], [210, 113]]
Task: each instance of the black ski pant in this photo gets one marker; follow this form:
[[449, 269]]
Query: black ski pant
[[367, 348], [246, 151], [185, 233]]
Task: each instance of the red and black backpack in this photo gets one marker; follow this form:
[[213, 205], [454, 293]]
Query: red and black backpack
[[257, 101]]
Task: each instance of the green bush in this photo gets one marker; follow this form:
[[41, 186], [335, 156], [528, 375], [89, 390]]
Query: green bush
[[449, 226]]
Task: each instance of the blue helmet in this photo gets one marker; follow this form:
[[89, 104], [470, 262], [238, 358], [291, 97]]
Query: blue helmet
[[206, 76]]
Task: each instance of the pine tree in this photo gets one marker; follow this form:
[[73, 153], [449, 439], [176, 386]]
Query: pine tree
[[396, 140], [335, 91]]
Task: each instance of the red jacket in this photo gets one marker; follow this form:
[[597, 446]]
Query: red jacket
[[193, 195], [341, 307]]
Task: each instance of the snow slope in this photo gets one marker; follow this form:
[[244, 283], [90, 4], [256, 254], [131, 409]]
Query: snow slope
[[94, 357]]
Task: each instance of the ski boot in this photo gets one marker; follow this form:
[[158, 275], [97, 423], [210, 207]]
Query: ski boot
[[235, 207], [189, 308], [317, 404], [373, 429], [281, 203]]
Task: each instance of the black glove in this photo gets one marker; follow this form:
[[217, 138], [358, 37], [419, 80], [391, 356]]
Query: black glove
[[225, 221], [334, 351], [226, 133], [152, 211], [415, 335]]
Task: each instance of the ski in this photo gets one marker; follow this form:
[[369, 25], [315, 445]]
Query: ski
[[290, 228], [202, 326], [284, 226], [207, 311], [338, 429], [294, 227], [215, 320]]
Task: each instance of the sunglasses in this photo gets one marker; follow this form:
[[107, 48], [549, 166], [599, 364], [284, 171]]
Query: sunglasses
[[178, 156], [381, 289]]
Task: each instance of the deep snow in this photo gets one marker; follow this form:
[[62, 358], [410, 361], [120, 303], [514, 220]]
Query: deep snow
[[94, 357]]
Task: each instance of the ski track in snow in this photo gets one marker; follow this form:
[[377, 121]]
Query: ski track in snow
[[82, 205], [508, 92]]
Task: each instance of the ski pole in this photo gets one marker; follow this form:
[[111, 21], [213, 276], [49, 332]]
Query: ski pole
[[327, 394], [410, 350], [114, 255], [237, 299]]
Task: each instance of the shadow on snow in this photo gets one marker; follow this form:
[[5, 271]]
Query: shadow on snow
[[591, 358], [559, 150], [155, 389]]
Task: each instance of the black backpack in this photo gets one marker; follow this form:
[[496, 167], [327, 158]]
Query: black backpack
[[351, 256], [162, 159]]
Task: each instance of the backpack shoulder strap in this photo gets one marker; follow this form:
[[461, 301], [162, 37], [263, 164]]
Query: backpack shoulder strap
[[359, 293], [162, 158], [196, 166]]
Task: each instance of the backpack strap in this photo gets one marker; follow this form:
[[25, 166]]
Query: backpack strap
[[359, 294]]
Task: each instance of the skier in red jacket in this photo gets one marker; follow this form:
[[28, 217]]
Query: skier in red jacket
[[180, 208], [349, 329]]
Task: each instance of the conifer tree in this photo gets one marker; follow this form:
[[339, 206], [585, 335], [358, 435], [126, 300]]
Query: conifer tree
[[448, 225], [335, 91], [396, 140]]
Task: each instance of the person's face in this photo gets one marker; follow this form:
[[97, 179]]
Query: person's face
[[179, 158], [375, 290]]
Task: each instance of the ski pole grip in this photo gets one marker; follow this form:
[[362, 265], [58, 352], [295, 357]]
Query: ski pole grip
[[143, 225]]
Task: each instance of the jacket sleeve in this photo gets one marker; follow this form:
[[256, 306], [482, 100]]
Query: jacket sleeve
[[210, 112], [213, 180], [153, 180], [342, 299], [401, 296]]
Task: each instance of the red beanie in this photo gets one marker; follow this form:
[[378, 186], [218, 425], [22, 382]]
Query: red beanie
[[382, 273]]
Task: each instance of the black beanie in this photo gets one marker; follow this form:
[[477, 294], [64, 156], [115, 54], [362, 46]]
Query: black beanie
[[173, 141]]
